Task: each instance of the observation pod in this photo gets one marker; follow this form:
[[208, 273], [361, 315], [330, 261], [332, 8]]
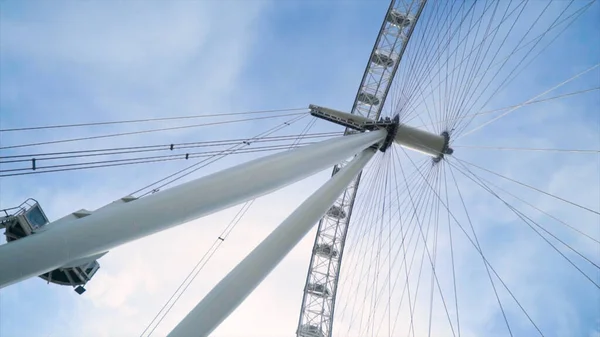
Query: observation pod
[[23, 220], [318, 289], [326, 250], [381, 59], [76, 276], [336, 212], [28, 219], [398, 19], [368, 98], [309, 330]]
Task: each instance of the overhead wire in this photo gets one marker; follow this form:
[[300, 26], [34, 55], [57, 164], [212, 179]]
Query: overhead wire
[[158, 119], [35, 168], [149, 159], [120, 134], [194, 167], [212, 250], [150, 148]]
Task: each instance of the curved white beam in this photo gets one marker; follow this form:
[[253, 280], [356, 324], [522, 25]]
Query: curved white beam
[[112, 226]]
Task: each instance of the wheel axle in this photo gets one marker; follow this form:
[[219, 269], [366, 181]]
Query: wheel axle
[[428, 143]]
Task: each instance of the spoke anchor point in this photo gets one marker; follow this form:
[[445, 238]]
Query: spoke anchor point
[[392, 126], [446, 149]]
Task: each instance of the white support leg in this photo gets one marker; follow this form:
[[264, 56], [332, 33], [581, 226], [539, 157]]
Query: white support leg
[[107, 228], [249, 273]]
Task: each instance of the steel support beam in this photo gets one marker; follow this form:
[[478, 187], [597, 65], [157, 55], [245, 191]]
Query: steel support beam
[[112, 226], [248, 274]]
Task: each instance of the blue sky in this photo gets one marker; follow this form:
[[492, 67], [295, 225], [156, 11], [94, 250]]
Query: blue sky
[[70, 62]]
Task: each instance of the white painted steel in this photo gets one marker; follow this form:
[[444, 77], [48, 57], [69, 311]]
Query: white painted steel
[[419, 140], [249, 273], [317, 312], [109, 227], [407, 136], [358, 119]]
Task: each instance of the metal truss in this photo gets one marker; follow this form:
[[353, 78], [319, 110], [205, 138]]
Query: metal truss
[[318, 302]]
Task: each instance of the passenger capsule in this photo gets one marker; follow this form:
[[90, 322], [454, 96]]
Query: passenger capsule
[[326, 250], [381, 59], [318, 289], [28, 219], [310, 330], [367, 98], [336, 212], [398, 19]]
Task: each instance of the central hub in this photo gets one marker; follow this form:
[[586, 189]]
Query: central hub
[[391, 126], [436, 146]]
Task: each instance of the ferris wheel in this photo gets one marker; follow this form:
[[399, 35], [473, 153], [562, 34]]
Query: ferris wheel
[[444, 59], [439, 197]]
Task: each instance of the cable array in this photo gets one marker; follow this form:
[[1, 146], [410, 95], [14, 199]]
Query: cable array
[[429, 242]]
